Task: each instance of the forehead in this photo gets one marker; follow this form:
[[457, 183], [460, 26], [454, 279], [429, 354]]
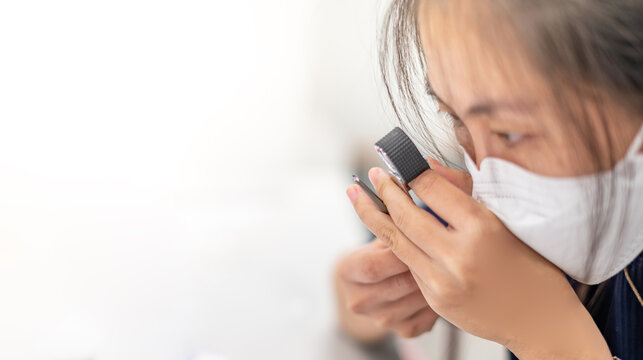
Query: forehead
[[473, 52]]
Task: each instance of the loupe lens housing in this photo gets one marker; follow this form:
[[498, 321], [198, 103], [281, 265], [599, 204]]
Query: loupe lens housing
[[401, 156]]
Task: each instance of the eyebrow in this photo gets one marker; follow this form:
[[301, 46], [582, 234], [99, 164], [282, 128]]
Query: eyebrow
[[485, 107]]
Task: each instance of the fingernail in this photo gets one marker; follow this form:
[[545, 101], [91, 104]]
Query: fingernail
[[352, 193], [374, 173]]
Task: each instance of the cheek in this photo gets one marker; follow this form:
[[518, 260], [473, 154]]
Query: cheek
[[558, 151]]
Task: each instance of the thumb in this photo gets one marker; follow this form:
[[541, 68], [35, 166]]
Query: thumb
[[462, 180]]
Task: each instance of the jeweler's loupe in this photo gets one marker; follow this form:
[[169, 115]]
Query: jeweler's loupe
[[403, 160], [401, 156]]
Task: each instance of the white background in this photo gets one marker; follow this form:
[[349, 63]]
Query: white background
[[172, 174]]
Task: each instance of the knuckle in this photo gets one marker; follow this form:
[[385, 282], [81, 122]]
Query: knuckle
[[408, 330], [469, 279], [357, 304], [463, 262], [464, 280], [389, 235], [427, 182], [386, 321], [478, 220], [474, 212], [476, 227], [400, 218], [404, 281], [369, 268], [449, 294], [465, 274]]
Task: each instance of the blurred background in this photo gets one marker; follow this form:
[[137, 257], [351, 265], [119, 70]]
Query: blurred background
[[172, 178]]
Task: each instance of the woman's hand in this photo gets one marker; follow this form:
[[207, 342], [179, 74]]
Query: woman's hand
[[477, 274], [374, 282]]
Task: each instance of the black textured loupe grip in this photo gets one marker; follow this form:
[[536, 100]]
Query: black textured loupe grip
[[403, 154]]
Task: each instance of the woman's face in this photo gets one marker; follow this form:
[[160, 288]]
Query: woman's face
[[501, 104]]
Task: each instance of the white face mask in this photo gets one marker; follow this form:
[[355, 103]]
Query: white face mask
[[556, 216]]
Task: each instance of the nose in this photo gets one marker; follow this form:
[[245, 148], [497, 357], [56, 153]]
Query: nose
[[481, 149], [475, 140]]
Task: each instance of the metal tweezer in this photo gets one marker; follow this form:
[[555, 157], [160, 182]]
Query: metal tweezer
[[376, 199]]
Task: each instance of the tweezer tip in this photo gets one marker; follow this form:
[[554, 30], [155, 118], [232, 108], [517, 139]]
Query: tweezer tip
[[355, 178]]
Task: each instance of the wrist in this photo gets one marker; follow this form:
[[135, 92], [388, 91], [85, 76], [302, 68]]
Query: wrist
[[570, 333]]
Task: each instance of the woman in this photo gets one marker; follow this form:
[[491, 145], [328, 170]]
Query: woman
[[546, 99]]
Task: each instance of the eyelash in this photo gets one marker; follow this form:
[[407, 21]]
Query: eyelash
[[509, 138], [457, 122]]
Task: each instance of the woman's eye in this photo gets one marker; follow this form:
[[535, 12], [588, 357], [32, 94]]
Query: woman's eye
[[511, 138]]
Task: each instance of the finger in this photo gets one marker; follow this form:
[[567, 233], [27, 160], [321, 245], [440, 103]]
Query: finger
[[412, 220], [364, 298], [461, 179], [449, 202], [418, 324], [371, 264], [384, 228], [394, 313], [398, 201]]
